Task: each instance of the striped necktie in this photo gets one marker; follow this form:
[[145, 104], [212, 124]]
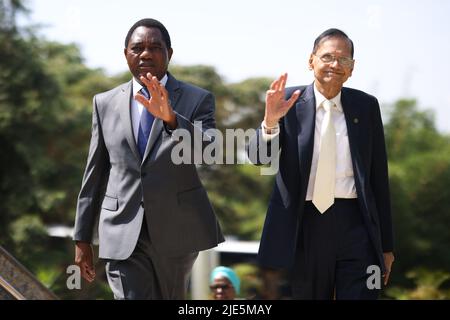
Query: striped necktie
[[145, 126]]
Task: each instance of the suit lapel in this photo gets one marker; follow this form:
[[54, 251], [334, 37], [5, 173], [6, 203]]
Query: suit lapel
[[352, 120], [306, 118], [172, 88], [124, 106]]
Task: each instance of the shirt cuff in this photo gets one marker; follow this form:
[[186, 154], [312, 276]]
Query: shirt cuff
[[166, 126], [269, 133], [167, 129]]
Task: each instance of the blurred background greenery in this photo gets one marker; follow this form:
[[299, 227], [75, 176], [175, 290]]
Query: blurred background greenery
[[46, 95]]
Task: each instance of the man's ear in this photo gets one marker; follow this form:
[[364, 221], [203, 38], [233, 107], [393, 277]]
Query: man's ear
[[351, 70], [310, 62], [169, 53], [125, 52]]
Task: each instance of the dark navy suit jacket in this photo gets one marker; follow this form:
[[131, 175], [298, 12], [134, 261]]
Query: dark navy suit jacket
[[296, 141]]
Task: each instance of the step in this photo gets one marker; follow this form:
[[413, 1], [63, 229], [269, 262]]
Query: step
[[18, 283]]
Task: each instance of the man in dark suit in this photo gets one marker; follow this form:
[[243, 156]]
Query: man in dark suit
[[329, 216], [153, 216]]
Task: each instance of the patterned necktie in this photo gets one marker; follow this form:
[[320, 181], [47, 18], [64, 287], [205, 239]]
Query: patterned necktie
[[145, 126], [323, 195]]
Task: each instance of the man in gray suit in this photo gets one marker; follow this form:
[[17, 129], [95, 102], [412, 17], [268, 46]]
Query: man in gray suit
[[153, 216]]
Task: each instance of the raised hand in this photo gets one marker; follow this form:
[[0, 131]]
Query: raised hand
[[158, 104], [276, 105]]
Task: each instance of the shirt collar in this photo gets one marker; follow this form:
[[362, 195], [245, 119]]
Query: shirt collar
[[320, 98], [137, 86]]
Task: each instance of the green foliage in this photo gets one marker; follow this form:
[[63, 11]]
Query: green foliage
[[8, 13], [29, 235], [27, 107], [429, 286], [203, 76], [419, 162], [410, 131], [247, 99]]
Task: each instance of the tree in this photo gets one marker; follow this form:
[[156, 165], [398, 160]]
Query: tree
[[419, 162]]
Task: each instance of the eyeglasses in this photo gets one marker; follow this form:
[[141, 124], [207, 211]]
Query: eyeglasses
[[329, 58], [219, 286]]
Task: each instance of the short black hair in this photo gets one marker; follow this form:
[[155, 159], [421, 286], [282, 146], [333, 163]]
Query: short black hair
[[149, 23], [332, 33]]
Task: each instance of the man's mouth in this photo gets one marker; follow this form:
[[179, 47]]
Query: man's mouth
[[332, 73], [146, 66]]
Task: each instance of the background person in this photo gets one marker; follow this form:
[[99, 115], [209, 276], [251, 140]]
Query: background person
[[224, 283]]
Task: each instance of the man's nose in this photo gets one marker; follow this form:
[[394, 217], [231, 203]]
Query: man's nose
[[146, 54], [335, 63]]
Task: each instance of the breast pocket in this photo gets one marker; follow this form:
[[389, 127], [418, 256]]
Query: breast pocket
[[110, 203]]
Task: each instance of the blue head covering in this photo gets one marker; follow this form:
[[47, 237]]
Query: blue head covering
[[227, 273]]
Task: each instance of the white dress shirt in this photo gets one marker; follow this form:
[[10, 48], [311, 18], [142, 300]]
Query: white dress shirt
[[345, 181], [137, 107]]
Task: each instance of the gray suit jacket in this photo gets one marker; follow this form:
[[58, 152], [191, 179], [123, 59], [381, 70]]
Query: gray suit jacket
[[118, 184]]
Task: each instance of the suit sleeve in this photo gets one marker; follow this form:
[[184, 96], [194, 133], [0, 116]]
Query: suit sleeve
[[380, 181], [204, 113], [93, 184], [200, 127], [262, 151]]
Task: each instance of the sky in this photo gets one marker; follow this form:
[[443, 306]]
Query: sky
[[402, 47]]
